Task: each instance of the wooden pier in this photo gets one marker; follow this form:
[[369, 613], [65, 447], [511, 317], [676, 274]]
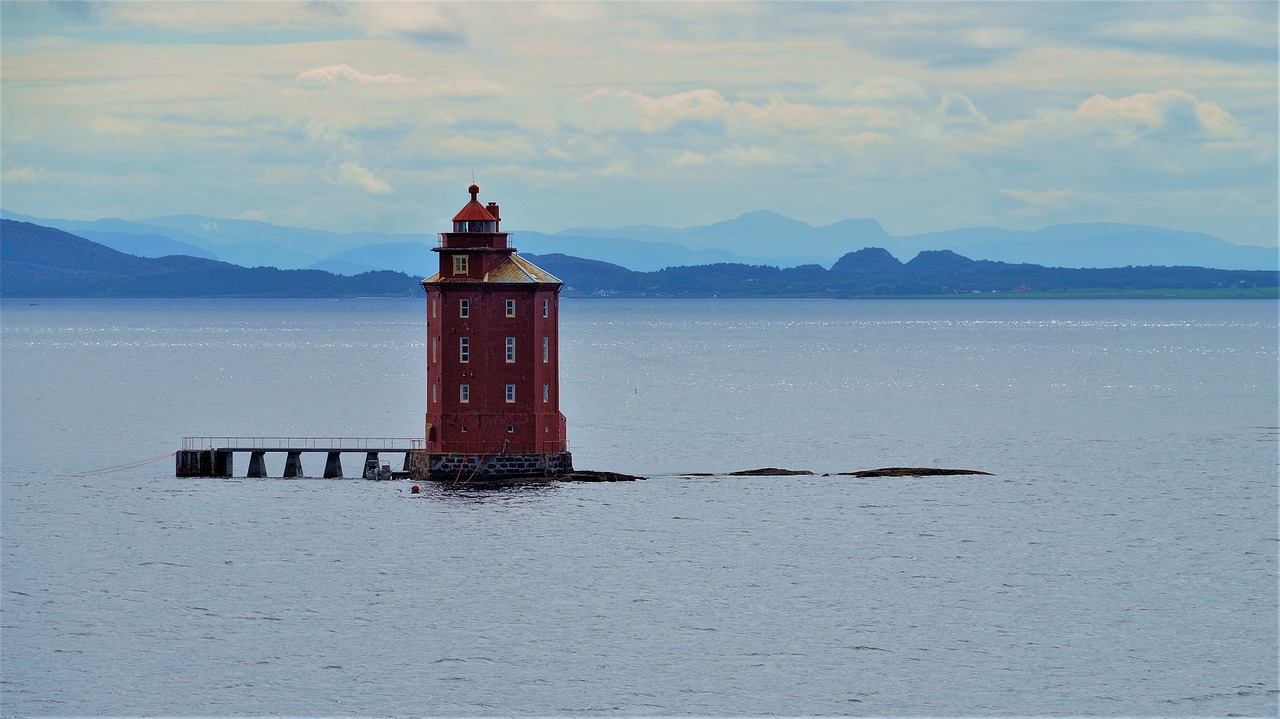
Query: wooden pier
[[215, 456]]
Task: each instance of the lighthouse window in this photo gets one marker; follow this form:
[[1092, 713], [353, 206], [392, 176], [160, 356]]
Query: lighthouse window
[[464, 393], [546, 393], [546, 349], [433, 308], [464, 308], [464, 349], [511, 429], [433, 392], [546, 308], [511, 393], [459, 264], [433, 348], [511, 308], [511, 349]]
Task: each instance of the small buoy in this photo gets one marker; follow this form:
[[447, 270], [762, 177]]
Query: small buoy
[[414, 490]]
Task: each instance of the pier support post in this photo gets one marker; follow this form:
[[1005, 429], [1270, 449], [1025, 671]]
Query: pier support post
[[293, 465], [257, 465], [333, 465], [223, 464]]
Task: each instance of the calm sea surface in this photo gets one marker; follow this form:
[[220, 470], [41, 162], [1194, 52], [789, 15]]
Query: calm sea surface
[[1121, 560]]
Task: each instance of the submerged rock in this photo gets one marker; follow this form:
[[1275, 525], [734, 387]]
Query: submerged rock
[[586, 475], [580, 475], [911, 472], [762, 472]]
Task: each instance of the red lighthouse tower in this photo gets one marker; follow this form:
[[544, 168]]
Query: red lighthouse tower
[[493, 377]]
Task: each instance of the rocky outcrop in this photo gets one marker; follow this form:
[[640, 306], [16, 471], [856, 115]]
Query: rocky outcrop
[[911, 472], [581, 475], [586, 475]]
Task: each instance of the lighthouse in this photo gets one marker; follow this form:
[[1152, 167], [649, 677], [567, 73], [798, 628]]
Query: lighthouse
[[493, 361]]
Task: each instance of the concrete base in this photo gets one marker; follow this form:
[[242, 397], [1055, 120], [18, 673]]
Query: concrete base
[[194, 462], [257, 465], [202, 463], [480, 468], [293, 465], [223, 463], [333, 465]]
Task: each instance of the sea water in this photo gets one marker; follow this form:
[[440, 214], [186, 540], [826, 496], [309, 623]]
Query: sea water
[[1120, 560]]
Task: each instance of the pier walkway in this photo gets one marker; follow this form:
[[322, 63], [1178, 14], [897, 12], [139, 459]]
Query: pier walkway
[[214, 456]]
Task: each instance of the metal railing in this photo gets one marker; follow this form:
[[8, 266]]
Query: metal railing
[[335, 444]]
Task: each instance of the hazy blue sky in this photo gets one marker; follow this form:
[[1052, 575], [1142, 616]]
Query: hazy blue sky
[[925, 116]]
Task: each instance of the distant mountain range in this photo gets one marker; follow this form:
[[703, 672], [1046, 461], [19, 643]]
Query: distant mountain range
[[38, 261], [756, 238]]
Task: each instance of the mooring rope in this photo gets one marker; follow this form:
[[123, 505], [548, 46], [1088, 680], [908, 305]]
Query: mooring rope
[[474, 469], [117, 468]]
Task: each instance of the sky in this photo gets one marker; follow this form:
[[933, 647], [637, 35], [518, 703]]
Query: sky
[[377, 115]]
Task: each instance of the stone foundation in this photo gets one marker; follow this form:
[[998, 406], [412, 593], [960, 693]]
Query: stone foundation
[[424, 466]]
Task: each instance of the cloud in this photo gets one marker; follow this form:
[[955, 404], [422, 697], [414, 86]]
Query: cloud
[[349, 173], [655, 114], [331, 74], [1226, 31], [686, 158], [779, 116], [1047, 199], [861, 141], [956, 109], [1168, 112], [418, 22], [885, 109], [754, 155], [504, 146], [997, 38], [22, 175], [466, 88], [113, 126], [708, 110], [888, 89]]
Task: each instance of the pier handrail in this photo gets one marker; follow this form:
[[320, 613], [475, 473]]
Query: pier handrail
[[354, 444]]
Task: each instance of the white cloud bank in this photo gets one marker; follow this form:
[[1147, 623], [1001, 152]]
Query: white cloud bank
[[925, 116], [332, 74], [1172, 111], [353, 175]]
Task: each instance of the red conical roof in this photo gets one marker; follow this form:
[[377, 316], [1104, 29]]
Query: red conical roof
[[474, 211]]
